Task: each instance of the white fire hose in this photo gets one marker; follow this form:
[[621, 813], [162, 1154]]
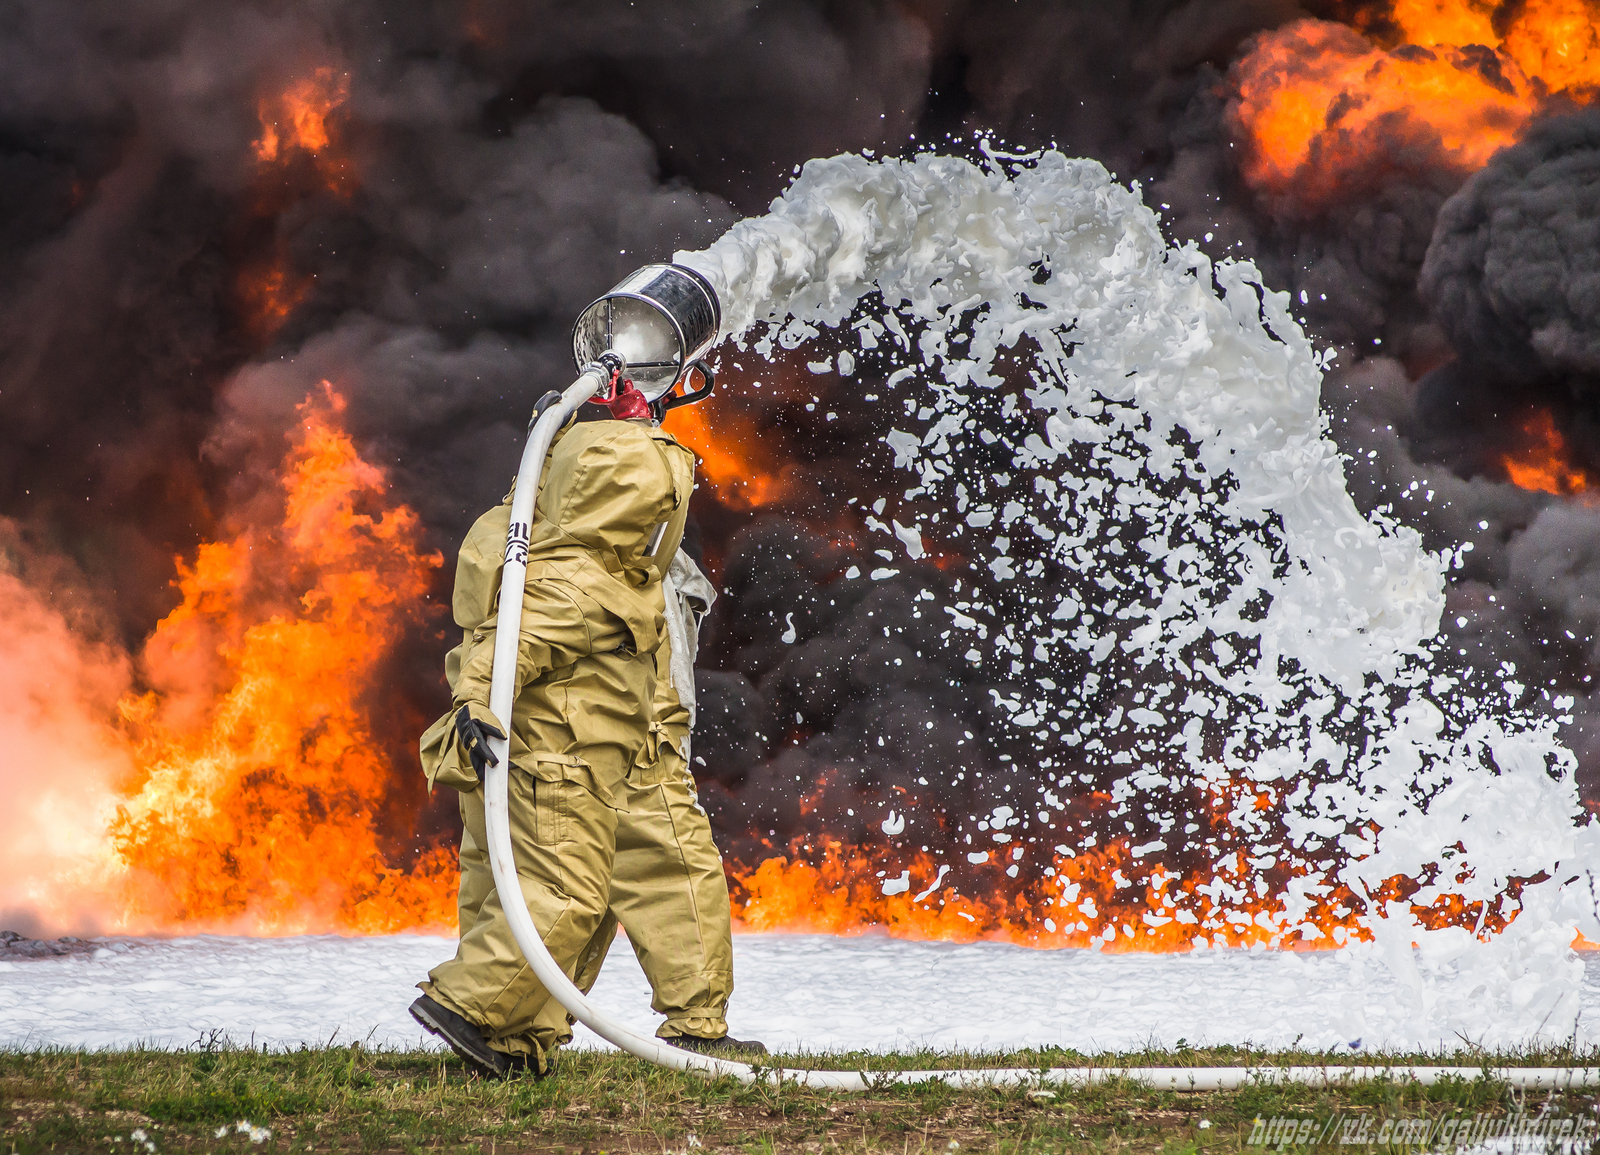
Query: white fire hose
[[501, 861]]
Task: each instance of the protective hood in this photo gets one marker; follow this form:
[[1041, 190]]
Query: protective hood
[[619, 490]]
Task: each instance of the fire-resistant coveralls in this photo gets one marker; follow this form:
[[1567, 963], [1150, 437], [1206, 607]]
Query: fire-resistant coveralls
[[668, 889], [609, 517]]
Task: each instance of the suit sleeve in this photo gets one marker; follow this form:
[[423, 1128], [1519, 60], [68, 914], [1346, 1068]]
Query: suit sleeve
[[557, 630]]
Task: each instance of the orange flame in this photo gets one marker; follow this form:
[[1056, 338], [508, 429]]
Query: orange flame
[[300, 122], [1085, 901], [298, 156], [1102, 897], [1096, 899], [729, 457], [268, 294], [1543, 464], [1317, 103], [298, 117], [260, 797], [261, 791], [842, 893]]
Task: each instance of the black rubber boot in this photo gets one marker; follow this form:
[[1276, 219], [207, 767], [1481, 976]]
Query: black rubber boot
[[464, 1037], [723, 1047], [530, 1065]]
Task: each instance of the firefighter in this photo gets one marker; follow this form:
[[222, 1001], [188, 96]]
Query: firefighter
[[608, 520]]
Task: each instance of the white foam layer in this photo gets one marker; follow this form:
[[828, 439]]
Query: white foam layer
[[794, 992]]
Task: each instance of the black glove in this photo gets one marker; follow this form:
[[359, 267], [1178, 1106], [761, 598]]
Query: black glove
[[475, 734]]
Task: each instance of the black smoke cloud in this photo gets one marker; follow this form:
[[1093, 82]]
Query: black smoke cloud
[[492, 168], [1513, 271], [1525, 593], [1509, 275], [508, 161], [505, 163]]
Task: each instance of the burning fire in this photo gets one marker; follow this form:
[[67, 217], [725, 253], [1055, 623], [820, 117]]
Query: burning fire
[[1318, 103], [260, 790], [1102, 897], [727, 447], [297, 118], [1085, 901], [1543, 464], [268, 294], [298, 137], [1095, 899]]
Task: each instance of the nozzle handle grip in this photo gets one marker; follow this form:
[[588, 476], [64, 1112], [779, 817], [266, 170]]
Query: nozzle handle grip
[[673, 400]]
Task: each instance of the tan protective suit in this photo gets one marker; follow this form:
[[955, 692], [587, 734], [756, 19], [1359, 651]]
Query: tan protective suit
[[668, 889], [609, 516]]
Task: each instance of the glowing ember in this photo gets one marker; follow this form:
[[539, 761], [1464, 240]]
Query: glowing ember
[[260, 788], [1318, 103], [1543, 464]]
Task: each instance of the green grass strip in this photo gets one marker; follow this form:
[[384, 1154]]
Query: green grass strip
[[354, 1099]]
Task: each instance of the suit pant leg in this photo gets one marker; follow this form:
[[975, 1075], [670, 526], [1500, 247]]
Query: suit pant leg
[[564, 841]]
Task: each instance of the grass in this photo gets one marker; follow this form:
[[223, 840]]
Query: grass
[[352, 1099]]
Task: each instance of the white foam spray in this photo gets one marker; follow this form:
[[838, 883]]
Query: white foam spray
[[1306, 638]]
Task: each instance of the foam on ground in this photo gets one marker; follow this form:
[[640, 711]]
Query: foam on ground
[[795, 992]]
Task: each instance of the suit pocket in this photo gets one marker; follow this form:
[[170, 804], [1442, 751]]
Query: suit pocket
[[555, 779]]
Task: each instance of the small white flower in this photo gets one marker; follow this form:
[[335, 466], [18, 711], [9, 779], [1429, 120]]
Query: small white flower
[[1205, 1124]]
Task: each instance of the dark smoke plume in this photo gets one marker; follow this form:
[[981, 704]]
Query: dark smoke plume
[[491, 167], [504, 165], [1510, 276], [1513, 272], [502, 162]]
